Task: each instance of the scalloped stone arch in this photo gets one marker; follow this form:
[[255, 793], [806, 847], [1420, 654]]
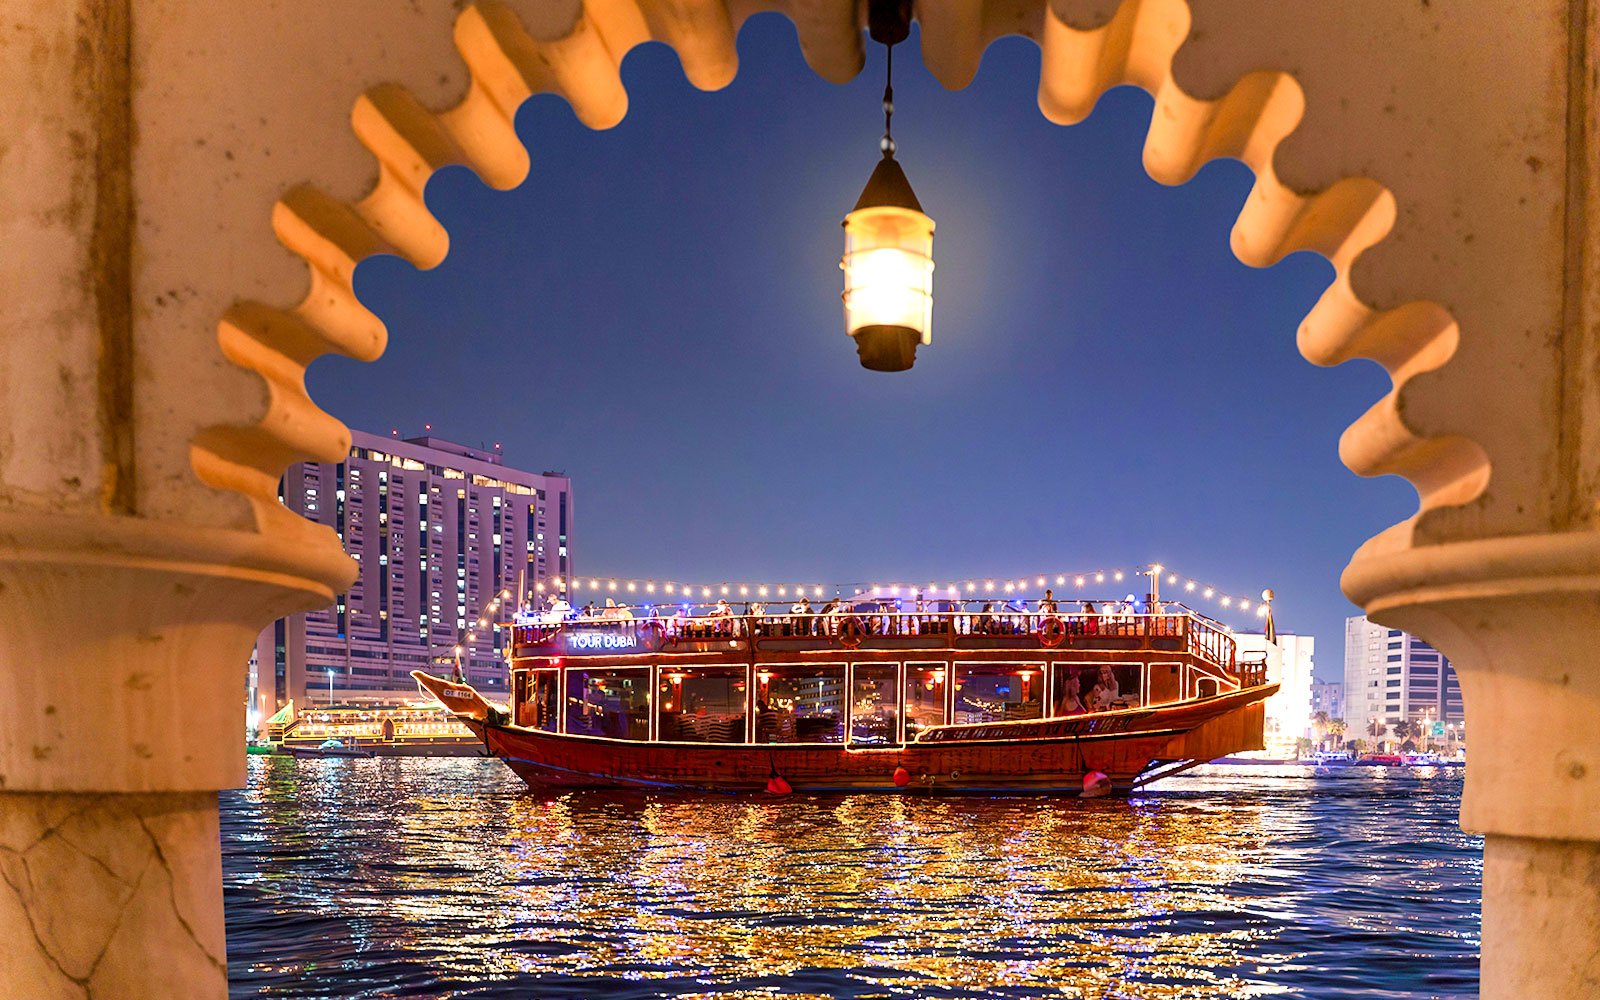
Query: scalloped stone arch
[[509, 63]]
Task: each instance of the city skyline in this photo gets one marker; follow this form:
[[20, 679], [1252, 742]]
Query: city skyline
[[1034, 434]]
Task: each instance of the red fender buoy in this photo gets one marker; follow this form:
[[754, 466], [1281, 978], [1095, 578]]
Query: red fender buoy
[[902, 777], [777, 786], [1095, 784]]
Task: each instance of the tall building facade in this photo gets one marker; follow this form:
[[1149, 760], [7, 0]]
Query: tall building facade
[[1290, 663], [1390, 675], [438, 529], [1328, 696]]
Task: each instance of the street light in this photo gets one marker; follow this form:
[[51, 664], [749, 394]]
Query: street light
[[888, 239], [330, 687]]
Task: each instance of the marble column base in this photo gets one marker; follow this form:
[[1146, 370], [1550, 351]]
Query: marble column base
[[107, 896], [1541, 919]]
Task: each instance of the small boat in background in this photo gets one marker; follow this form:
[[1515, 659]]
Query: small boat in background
[[328, 748], [1330, 763]]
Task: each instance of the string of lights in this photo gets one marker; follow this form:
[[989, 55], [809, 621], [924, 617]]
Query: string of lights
[[1172, 585]]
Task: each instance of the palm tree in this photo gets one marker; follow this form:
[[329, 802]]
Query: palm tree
[[1404, 730], [1376, 728], [1336, 727], [1319, 726]]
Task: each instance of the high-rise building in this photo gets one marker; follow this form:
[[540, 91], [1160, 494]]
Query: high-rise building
[[439, 529], [1328, 696], [1289, 665], [1390, 675]]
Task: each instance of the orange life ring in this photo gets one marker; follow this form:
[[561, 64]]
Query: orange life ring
[[1052, 631], [850, 632]]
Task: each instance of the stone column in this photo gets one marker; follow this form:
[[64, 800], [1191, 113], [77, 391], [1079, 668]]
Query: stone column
[[129, 591], [1520, 619]]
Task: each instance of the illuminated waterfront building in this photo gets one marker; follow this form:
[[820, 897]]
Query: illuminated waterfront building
[[1289, 664], [437, 529], [1390, 675]]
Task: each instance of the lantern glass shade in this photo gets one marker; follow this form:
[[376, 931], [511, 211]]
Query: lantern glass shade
[[888, 283]]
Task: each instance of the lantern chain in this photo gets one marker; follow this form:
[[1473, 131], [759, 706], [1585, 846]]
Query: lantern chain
[[887, 145]]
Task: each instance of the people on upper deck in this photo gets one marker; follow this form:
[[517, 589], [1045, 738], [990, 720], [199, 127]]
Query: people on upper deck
[[802, 606], [1106, 692], [988, 621], [560, 609], [588, 610], [722, 610], [1047, 603]]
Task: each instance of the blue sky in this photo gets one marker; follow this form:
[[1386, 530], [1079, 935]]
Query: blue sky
[[656, 312]]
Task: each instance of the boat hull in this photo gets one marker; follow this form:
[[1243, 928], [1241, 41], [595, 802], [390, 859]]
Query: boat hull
[[1049, 756]]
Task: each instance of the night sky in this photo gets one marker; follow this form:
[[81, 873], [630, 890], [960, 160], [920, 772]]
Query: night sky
[[656, 313]]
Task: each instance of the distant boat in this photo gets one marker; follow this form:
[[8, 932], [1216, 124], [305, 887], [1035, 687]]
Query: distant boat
[[328, 748], [869, 698]]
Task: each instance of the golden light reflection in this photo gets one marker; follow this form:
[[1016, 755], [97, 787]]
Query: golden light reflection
[[456, 867]]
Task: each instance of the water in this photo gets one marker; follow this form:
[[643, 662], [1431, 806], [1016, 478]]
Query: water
[[447, 878]]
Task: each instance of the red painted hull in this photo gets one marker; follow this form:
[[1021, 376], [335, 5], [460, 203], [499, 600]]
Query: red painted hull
[[1044, 756]]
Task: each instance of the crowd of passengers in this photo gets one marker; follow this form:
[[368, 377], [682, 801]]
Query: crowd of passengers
[[874, 615]]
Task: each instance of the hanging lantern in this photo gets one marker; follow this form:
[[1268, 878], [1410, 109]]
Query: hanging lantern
[[888, 239]]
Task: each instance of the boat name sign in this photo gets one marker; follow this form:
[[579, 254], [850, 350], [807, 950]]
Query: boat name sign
[[593, 641]]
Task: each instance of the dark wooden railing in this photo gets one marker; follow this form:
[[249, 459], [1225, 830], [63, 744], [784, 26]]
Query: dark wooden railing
[[1187, 631]]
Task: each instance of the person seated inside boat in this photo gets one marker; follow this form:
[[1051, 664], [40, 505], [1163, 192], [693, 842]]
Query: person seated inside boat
[[1047, 603], [1106, 694], [1070, 701]]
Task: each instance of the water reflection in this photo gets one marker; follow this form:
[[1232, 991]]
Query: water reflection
[[419, 878]]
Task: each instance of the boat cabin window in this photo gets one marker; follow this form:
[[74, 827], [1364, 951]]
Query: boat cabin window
[[702, 704], [800, 704], [537, 699], [1206, 687], [609, 702], [875, 703], [926, 684], [995, 692], [1099, 687]]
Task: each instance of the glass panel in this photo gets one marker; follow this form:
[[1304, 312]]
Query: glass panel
[[536, 707], [1068, 693], [613, 703], [992, 692], [874, 707], [702, 705], [1108, 686], [800, 704], [925, 687]]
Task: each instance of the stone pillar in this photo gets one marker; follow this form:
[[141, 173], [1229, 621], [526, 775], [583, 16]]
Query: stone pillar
[[1519, 618], [111, 895], [130, 592]]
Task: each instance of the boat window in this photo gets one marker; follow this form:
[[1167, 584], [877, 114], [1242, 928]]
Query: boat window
[[702, 704], [609, 702], [992, 692], [537, 699], [874, 704], [1101, 687], [925, 688], [803, 704]]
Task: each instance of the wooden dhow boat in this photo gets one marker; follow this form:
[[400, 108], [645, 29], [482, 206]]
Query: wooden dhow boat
[[867, 698]]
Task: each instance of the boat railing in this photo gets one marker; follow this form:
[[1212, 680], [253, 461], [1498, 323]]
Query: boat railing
[[1183, 631]]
